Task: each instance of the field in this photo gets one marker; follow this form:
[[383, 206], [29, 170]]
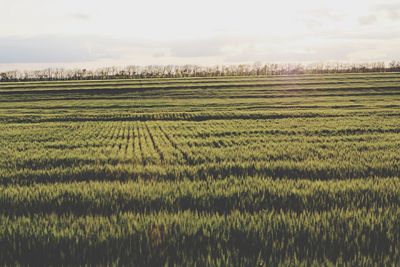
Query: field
[[276, 170]]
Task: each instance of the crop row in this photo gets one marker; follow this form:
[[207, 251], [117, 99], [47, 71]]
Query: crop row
[[335, 237], [328, 85], [383, 77], [304, 174], [222, 196], [312, 148]]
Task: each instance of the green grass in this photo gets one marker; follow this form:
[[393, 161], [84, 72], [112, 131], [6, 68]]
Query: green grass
[[278, 170]]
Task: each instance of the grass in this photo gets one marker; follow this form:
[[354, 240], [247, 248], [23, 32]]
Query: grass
[[278, 170]]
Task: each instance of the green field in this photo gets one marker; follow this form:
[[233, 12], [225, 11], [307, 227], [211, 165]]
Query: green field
[[245, 171]]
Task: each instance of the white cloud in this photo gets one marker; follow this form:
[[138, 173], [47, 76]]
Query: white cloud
[[51, 49], [80, 16], [367, 20], [391, 10], [187, 31]]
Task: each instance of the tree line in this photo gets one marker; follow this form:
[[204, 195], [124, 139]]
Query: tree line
[[180, 71]]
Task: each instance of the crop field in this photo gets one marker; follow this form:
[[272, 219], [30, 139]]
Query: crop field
[[295, 170]]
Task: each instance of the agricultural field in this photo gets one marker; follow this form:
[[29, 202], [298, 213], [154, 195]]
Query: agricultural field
[[299, 170]]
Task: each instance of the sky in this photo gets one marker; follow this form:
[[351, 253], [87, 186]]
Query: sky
[[96, 33]]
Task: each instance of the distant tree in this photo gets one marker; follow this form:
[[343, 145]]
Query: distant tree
[[176, 71]]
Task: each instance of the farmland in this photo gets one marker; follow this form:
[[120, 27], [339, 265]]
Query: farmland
[[269, 170]]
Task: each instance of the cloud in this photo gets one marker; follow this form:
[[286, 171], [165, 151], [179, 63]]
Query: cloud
[[85, 51], [362, 36], [392, 10], [197, 48], [367, 20], [326, 14], [215, 46], [159, 54], [79, 16], [312, 23], [299, 53], [317, 18], [50, 49]]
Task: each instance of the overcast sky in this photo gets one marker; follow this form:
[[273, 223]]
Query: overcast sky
[[96, 33]]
